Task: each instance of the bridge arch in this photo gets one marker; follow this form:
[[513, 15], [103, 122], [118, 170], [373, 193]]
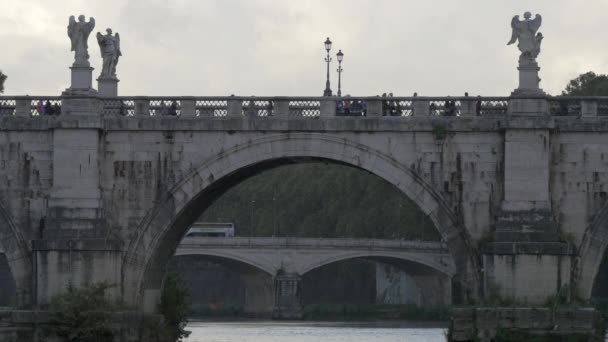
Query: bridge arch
[[264, 267], [446, 268], [591, 253], [18, 256], [161, 230], [432, 277]]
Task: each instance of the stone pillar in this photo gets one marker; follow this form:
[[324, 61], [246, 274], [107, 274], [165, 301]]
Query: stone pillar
[[82, 81], [374, 108], [23, 106], [142, 107], [62, 262], [529, 82], [235, 108], [421, 108], [328, 107], [468, 107], [281, 108], [75, 247], [187, 107], [108, 86], [588, 108], [287, 303], [526, 261]]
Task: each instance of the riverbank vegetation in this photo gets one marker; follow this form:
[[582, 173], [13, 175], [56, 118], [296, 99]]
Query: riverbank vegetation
[[321, 200]]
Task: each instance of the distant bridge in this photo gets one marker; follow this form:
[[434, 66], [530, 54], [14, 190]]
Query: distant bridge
[[287, 259], [301, 255]]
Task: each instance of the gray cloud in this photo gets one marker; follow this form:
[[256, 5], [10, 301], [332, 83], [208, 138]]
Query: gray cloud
[[271, 47]]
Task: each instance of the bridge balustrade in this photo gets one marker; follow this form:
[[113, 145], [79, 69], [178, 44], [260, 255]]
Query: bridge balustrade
[[283, 242], [591, 106], [303, 107]]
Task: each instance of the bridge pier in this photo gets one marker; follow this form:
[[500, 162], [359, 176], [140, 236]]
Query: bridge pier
[[287, 304]]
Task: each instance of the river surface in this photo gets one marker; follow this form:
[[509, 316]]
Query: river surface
[[272, 331]]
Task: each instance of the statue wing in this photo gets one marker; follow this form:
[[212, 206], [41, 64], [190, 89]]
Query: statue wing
[[515, 23], [535, 23], [91, 23], [71, 24], [117, 40], [100, 42]]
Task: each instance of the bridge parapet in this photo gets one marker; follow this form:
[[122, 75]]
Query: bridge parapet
[[283, 242], [303, 107]]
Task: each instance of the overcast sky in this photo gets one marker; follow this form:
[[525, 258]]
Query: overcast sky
[[272, 47]]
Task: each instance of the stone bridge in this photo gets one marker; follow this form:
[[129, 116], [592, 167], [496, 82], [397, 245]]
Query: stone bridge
[[105, 190], [301, 255], [288, 259]]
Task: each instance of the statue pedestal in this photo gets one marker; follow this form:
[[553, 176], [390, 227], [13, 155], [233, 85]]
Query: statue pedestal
[[529, 82], [82, 81], [107, 86]]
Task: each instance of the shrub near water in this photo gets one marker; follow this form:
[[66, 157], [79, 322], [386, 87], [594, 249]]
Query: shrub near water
[[175, 307], [82, 314]]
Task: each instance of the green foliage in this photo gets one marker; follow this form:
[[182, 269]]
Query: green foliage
[[588, 84], [82, 314], [320, 200], [175, 307], [2, 79]]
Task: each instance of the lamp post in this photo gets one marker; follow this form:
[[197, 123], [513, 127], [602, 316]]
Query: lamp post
[[340, 57], [327, 91]]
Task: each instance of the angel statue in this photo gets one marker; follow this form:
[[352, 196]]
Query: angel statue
[[79, 34], [110, 51], [525, 32]]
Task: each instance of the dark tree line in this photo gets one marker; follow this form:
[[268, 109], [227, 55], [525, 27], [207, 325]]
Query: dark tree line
[[320, 200]]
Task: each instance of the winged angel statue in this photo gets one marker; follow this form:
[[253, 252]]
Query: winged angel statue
[[79, 34], [525, 31], [110, 51]]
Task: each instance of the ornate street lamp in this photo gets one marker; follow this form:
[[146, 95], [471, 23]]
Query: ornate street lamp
[[340, 57], [327, 91]]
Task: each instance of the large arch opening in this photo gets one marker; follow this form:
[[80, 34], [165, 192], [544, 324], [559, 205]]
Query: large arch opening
[[220, 286], [592, 263], [376, 282], [16, 264], [162, 229]]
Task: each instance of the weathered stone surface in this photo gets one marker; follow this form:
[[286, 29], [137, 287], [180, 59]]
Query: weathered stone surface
[[532, 184], [483, 324]]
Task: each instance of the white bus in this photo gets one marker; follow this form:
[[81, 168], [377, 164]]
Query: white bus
[[211, 229]]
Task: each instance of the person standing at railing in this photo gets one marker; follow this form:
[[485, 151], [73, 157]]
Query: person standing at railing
[[48, 109], [173, 108], [269, 108], [346, 106], [384, 105], [478, 106], [39, 107], [250, 110], [339, 108], [56, 109]]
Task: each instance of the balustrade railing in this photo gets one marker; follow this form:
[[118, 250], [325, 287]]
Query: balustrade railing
[[303, 107], [292, 242]]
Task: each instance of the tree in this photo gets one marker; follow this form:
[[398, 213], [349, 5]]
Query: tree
[[82, 314], [174, 306], [2, 79], [588, 84]]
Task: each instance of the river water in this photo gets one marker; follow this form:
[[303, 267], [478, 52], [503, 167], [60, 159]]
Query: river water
[[272, 331]]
